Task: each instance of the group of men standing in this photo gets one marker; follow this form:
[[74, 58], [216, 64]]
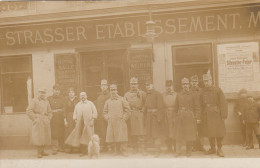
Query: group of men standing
[[143, 117]]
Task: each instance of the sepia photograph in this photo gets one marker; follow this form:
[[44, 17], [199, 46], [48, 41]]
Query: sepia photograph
[[126, 83]]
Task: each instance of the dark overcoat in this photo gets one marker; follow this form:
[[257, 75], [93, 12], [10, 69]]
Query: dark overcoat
[[214, 112], [154, 115], [186, 111]]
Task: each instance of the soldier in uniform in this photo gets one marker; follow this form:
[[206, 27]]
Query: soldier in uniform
[[57, 122], [154, 117], [101, 124], [169, 98], [196, 91], [136, 98], [187, 113], [39, 111], [214, 112], [116, 113], [239, 110]]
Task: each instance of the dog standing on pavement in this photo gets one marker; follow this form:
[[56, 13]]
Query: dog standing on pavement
[[94, 147]]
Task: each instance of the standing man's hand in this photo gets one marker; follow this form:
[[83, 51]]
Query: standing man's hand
[[65, 123], [198, 121]]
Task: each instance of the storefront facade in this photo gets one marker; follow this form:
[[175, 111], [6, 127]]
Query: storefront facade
[[78, 51]]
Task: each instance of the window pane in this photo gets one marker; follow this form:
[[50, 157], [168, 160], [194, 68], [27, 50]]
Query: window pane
[[93, 70], [192, 54], [15, 92], [115, 69], [16, 65]]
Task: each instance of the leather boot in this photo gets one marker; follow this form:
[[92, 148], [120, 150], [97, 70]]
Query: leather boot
[[211, 151], [157, 152], [258, 140], [39, 154], [42, 151], [220, 152]]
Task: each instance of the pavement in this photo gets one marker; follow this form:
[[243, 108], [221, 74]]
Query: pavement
[[230, 151]]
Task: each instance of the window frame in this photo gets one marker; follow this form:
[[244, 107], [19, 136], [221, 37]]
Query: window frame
[[178, 66], [8, 58]]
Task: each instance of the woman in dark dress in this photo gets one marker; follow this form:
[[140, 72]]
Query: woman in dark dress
[[69, 105]]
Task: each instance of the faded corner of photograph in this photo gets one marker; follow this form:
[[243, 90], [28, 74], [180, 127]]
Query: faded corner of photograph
[[129, 79]]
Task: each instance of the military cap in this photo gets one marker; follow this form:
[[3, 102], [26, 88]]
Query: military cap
[[56, 87], [42, 90], [242, 91], [133, 80], [185, 80], [104, 82], [168, 83], [113, 84], [207, 76], [194, 78]]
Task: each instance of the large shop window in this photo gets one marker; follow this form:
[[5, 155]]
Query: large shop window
[[16, 83], [189, 60]]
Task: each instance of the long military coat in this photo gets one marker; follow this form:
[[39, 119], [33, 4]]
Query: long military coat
[[196, 91], [57, 121], [136, 101], [186, 111], [116, 113], [39, 111], [154, 119], [169, 101], [214, 111], [84, 113], [101, 123]]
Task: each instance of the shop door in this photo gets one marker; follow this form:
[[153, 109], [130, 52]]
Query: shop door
[[189, 60], [102, 65]]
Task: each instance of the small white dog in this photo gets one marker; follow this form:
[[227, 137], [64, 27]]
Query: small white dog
[[93, 146]]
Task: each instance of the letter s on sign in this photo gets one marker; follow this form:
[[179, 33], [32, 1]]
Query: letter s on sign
[[58, 33], [11, 40]]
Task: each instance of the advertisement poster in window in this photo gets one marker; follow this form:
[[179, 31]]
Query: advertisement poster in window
[[239, 66]]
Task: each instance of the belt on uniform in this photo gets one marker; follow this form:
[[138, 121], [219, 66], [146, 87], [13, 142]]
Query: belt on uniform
[[210, 105], [170, 108], [152, 110], [185, 108], [135, 108], [56, 110]]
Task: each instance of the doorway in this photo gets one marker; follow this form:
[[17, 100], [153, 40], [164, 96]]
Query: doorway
[[189, 60], [98, 65]]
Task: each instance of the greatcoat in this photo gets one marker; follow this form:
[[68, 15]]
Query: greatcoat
[[154, 118], [214, 111], [39, 111], [136, 101], [116, 113], [186, 111]]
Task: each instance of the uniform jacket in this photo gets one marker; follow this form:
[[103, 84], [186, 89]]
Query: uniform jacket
[[136, 101], [214, 111], [116, 112], [39, 111]]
